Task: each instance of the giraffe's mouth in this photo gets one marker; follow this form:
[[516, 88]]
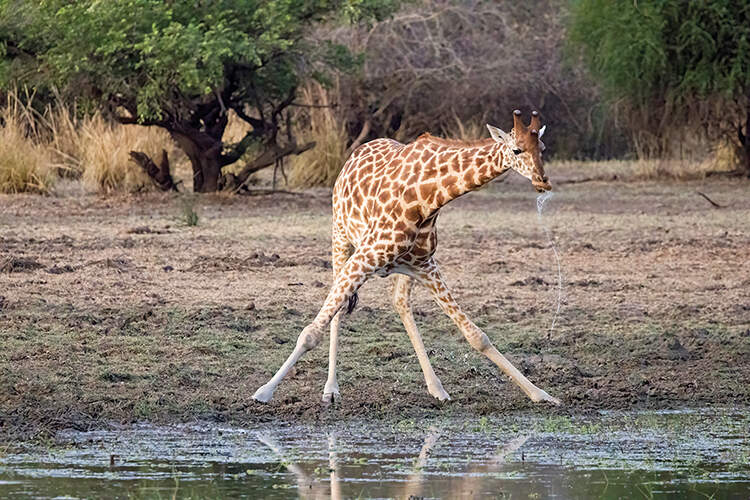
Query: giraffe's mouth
[[543, 186]]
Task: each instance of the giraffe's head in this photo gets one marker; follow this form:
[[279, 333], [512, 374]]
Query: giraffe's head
[[523, 149]]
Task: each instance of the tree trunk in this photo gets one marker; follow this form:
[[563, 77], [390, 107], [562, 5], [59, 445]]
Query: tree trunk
[[204, 153], [206, 172]]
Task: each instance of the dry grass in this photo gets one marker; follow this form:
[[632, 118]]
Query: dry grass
[[647, 170], [321, 165], [37, 147], [236, 128], [104, 150], [725, 158], [64, 139], [24, 160]]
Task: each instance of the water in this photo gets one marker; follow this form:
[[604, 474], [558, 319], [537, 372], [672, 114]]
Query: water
[[540, 201], [609, 455]]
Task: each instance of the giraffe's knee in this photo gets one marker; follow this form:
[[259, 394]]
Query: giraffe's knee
[[478, 339], [309, 338]]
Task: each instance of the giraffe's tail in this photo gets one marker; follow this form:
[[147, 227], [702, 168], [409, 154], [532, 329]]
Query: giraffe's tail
[[352, 303]]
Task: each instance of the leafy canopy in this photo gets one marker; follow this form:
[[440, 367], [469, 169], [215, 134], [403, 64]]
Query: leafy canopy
[[159, 59], [675, 50], [670, 68]]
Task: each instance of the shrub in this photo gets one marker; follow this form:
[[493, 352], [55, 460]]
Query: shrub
[[672, 69]]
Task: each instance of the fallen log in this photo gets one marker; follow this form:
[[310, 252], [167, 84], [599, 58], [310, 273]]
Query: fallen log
[[159, 174]]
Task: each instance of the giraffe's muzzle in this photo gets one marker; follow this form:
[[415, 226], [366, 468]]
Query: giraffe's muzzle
[[542, 184]]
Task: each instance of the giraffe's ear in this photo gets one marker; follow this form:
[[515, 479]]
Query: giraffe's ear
[[541, 131], [498, 134]]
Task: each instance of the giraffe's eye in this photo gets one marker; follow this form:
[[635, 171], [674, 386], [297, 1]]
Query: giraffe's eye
[[516, 151]]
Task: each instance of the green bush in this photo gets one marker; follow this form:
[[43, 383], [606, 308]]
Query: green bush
[[673, 68]]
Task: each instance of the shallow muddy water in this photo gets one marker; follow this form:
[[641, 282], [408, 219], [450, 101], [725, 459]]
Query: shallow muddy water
[[680, 454]]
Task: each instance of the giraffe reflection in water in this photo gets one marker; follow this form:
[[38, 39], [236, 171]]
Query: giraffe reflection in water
[[310, 487]]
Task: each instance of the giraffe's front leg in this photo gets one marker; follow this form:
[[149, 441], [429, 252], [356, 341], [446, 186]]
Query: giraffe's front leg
[[309, 338], [331, 389], [429, 275], [341, 249], [355, 272]]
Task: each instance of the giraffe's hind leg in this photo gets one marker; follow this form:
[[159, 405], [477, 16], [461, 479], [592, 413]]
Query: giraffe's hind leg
[[402, 286], [340, 252], [429, 275], [354, 273]]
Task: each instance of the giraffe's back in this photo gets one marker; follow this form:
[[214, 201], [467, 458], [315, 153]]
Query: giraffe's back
[[358, 186]]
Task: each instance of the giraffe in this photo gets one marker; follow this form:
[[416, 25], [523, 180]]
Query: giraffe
[[386, 201]]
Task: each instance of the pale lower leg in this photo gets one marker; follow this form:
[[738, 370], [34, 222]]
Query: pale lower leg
[[414, 486], [340, 252], [348, 281], [429, 275], [401, 302], [303, 480], [308, 339], [331, 389]]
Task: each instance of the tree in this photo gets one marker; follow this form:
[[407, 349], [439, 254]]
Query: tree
[[672, 66], [181, 65]]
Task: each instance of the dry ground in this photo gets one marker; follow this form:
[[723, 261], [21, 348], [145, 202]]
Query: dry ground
[[112, 309]]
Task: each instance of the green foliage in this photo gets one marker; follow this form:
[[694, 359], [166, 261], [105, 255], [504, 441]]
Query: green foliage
[[181, 64], [675, 69], [164, 55], [675, 50]]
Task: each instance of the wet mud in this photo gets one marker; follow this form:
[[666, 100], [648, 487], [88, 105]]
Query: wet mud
[[113, 310]]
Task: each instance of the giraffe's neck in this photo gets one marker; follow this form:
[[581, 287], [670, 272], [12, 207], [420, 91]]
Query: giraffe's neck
[[458, 170]]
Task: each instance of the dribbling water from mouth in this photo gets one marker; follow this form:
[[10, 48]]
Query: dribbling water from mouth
[[540, 201]]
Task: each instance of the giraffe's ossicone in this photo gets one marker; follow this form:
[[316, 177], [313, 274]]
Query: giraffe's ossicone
[[385, 204]]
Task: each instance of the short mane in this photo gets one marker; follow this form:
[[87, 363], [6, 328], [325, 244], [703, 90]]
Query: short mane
[[455, 142]]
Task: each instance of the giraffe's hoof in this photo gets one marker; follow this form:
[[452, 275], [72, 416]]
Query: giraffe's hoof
[[331, 397], [438, 392], [543, 396], [263, 394]]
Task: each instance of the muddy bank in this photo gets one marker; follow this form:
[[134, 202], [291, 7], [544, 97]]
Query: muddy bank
[[113, 310]]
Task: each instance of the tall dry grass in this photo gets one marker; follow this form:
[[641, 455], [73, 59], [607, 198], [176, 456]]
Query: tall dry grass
[[64, 139], [38, 147], [25, 162], [645, 169], [321, 165], [104, 149]]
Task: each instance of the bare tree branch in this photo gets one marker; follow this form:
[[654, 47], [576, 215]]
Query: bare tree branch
[[268, 158]]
